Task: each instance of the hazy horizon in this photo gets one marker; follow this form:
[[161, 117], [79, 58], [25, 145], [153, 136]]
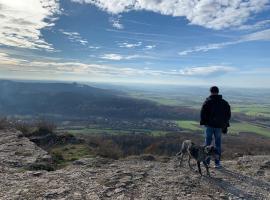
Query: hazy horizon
[[142, 85]]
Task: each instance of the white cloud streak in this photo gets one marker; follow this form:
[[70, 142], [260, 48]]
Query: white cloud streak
[[115, 21], [74, 37], [208, 47], [150, 47], [94, 47], [118, 57], [214, 14], [205, 71], [129, 45], [112, 56], [258, 25], [5, 59], [256, 36], [21, 22], [9, 63]]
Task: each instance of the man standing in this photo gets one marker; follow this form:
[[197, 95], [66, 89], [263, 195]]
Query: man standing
[[215, 115]]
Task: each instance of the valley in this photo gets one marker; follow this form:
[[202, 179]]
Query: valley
[[113, 109]]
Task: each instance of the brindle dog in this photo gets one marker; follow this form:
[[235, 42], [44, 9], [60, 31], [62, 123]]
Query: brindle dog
[[199, 153]]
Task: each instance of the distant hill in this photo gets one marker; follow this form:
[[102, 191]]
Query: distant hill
[[77, 100]]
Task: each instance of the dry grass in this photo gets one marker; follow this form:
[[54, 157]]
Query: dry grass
[[4, 123], [115, 146]]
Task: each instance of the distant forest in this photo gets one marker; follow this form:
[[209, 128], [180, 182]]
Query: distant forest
[[80, 101]]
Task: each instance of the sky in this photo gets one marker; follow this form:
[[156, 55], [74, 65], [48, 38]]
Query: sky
[[182, 42]]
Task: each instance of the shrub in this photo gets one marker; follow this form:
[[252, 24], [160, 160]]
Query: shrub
[[57, 157], [115, 146], [108, 149], [41, 166], [24, 128], [45, 127]]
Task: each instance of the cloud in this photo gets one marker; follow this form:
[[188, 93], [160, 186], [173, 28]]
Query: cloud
[[201, 72], [115, 21], [6, 59], [134, 45], [21, 22], [208, 47], [112, 56], [260, 35], [214, 14], [256, 36], [47, 66], [129, 45], [74, 37], [258, 25], [149, 47], [94, 47], [117, 57], [205, 71]]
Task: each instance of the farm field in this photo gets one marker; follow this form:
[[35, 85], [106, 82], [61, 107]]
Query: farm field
[[235, 128], [185, 125], [252, 110], [189, 125], [100, 130]]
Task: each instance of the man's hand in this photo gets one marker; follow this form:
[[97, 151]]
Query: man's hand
[[225, 130]]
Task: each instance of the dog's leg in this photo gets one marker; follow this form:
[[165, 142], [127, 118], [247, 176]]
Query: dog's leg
[[199, 167], [207, 168], [189, 158], [181, 159]]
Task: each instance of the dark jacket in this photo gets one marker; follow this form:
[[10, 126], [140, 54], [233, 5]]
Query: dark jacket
[[215, 112]]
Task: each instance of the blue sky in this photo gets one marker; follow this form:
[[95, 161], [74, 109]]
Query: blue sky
[[185, 42]]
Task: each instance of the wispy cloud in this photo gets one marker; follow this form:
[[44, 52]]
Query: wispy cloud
[[214, 14], [75, 37], [117, 57], [112, 56], [149, 47], [129, 45], [256, 36], [21, 22], [258, 25], [141, 33], [7, 62], [205, 71], [115, 21], [208, 47], [94, 47], [6, 59]]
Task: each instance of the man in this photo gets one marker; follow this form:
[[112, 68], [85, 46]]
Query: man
[[215, 116]]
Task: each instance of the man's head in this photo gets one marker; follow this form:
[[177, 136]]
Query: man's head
[[214, 90]]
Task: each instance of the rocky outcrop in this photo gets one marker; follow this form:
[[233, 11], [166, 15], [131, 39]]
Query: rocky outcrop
[[130, 178], [18, 151], [47, 139]]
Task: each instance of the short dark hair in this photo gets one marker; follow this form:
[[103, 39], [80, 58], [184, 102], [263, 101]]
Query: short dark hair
[[214, 89]]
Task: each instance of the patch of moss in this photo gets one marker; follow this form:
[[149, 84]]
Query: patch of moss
[[63, 154]]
